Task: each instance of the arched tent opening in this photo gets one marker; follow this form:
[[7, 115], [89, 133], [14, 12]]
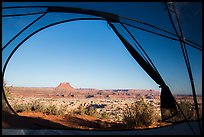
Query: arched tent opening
[[39, 16], [41, 62]]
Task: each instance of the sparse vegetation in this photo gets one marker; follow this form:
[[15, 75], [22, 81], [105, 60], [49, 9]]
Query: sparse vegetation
[[91, 111], [35, 106], [139, 113], [52, 109], [118, 108], [188, 111], [4, 105], [104, 115], [81, 109], [6, 90], [21, 108]]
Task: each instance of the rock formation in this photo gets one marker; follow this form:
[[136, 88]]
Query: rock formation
[[64, 89]]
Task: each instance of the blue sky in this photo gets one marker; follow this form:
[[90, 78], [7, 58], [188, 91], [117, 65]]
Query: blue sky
[[88, 54], [85, 53]]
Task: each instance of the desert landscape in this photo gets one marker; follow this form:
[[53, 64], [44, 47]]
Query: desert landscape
[[86, 109]]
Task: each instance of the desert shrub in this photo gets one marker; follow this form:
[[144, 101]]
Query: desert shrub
[[139, 113], [4, 86], [52, 109], [4, 105], [21, 108], [93, 112], [63, 109], [18, 108], [104, 115], [36, 106], [187, 109], [6, 89], [87, 110], [81, 109], [7, 95], [90, 111]]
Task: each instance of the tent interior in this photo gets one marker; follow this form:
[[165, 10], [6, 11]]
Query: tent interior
[[173, 60]]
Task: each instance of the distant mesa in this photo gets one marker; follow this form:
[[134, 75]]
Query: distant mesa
[[65, 86]]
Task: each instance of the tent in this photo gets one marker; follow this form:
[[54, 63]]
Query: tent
[[177, 23]]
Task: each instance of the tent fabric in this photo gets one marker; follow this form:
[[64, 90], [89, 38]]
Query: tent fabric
[[177, 129], [127, 22], [167, 100], [168, 105], [129, 10]]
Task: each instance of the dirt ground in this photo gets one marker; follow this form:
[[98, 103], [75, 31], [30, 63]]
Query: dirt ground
[[38, 120]]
